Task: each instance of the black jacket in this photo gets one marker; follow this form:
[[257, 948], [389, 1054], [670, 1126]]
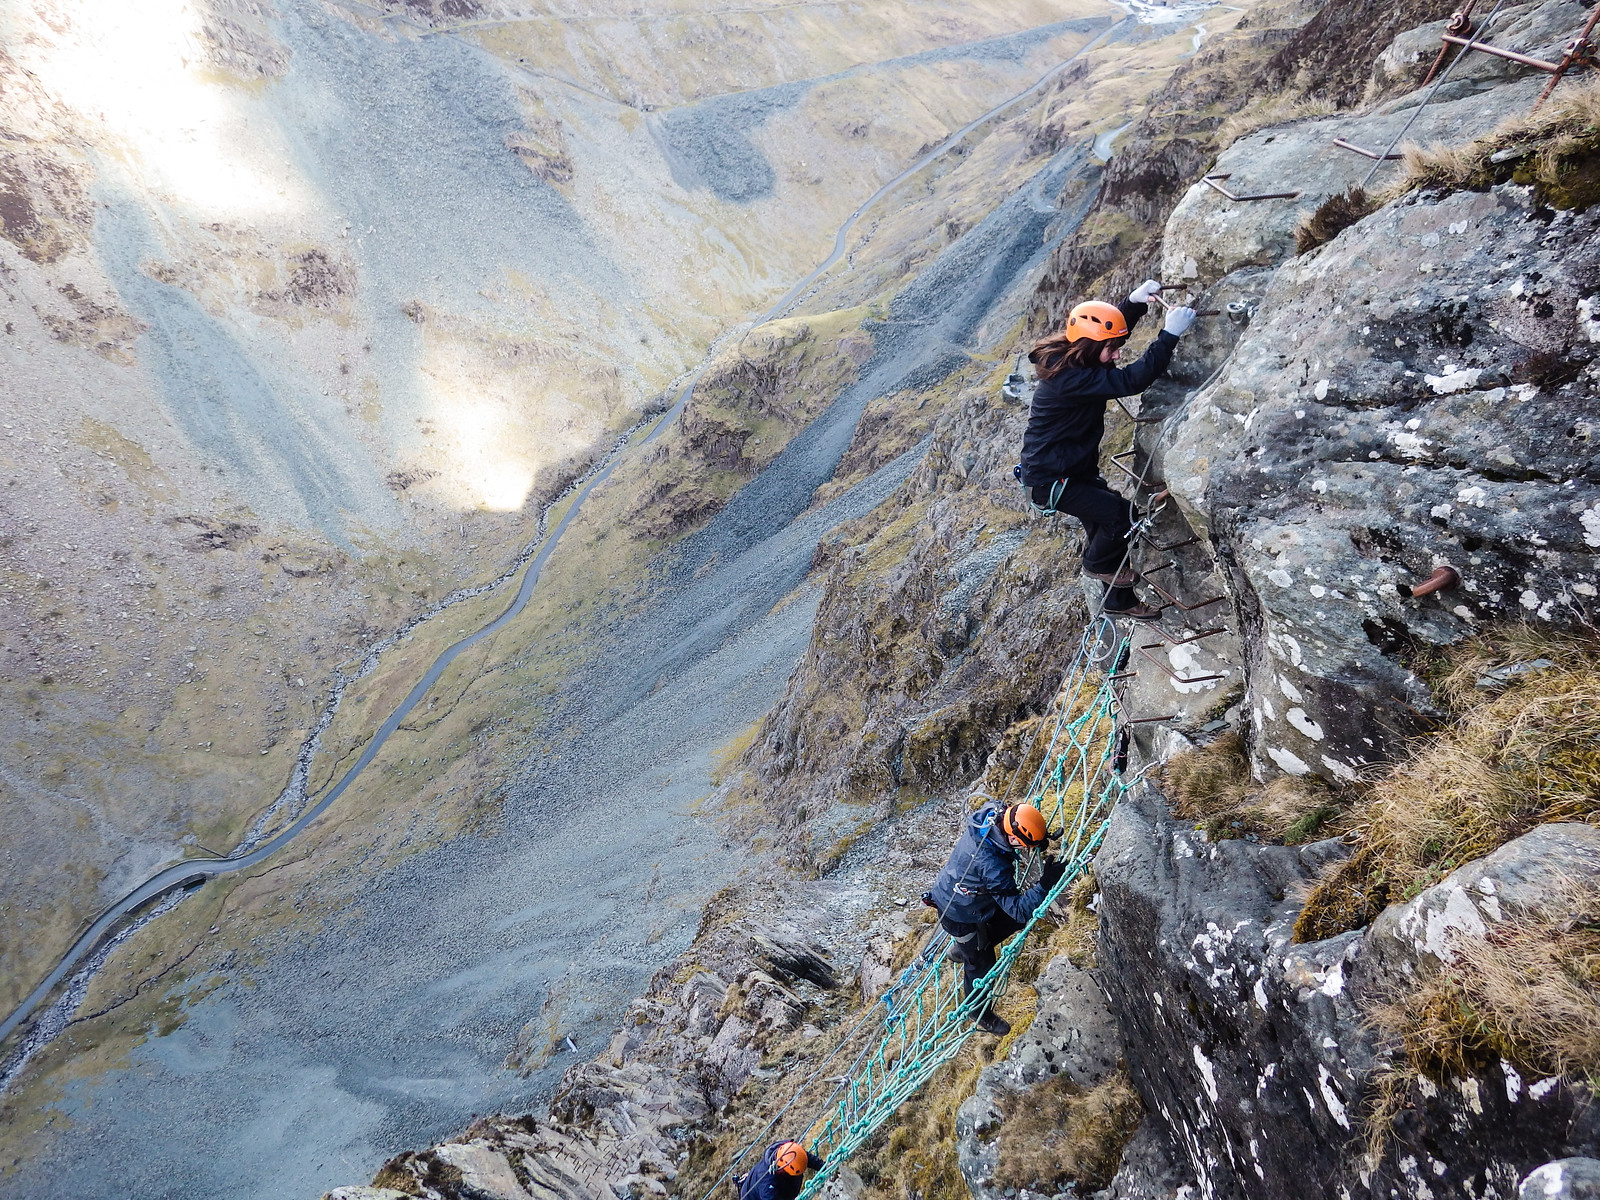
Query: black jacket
[[766, 1183], [1068, 417]]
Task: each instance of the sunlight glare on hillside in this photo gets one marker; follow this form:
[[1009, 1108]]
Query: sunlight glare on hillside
[[136, 69], [484, 467]]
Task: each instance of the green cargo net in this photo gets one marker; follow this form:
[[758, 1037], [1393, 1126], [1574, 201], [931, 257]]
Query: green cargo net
[[922, 1020]]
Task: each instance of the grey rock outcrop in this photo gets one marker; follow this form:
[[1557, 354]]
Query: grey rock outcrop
[[1518, 880], [1254, 1054], [1150, 1170], [1427, 385], [1564, 1179], [1072, 1035], [1209, 236]]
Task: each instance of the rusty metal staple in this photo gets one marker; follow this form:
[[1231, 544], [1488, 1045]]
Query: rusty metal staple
[[1215, 182]]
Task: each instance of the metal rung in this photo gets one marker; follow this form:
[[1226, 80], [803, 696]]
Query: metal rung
[[1362, 150], [1171, 599], [1215, 182], [1154, 720], [1174, 676], [1138, 420], [1524, 59], [1188, 541], [1123, 675], [1164, 566], [1194, 636], [1128, 471]]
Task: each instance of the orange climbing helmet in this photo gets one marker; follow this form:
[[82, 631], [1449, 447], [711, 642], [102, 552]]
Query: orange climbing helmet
[[1026, 822], [791, 1159], [1097, 321]]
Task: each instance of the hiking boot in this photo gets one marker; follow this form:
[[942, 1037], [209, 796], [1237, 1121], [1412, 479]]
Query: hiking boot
[[990, 1023], [1126, 577], [1139, 612]]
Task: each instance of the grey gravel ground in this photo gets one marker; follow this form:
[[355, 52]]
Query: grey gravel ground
[[386, 1030]]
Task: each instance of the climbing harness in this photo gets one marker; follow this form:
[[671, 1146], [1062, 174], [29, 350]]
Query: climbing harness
[[1056, 488]]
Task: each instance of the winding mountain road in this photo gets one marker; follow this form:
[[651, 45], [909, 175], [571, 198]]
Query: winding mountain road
[[412, 1060], [191, 870]]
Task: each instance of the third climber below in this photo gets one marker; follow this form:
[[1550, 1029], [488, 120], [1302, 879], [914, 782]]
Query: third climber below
[[1078, 374], [780, 1174], [977, 897]]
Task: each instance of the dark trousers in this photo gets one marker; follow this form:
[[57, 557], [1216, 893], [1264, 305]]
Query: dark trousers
[[1107, 516], [976, 954]]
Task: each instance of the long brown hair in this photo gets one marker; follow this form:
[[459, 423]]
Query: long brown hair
[[1055, 354]]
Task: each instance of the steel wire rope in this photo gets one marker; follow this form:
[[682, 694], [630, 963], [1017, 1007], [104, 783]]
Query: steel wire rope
[[1076, 837], [929, 961], [1426, 100]]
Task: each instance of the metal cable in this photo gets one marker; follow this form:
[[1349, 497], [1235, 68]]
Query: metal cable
[[1426, 100]]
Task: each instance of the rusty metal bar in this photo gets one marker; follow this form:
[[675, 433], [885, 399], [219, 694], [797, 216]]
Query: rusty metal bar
[[1137, 420], [1159, 549], [1579, 51], [1498, 52], [1343, 144], [1173, 675], [1461, 24], [1443, 579], [1171, 599], [1154, 720], [1214, 182], [1162, 567], [1194, 636], [1116, 461], [1200, 312]]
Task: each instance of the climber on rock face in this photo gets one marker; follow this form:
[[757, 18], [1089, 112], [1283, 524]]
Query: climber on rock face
[[779, 1174], [976, 894], [1061, 448]]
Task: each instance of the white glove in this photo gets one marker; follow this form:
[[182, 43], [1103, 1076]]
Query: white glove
[[1142, 293], [1178, 321]]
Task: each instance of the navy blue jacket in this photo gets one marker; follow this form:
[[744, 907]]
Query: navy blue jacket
[[981, 879], [765, 1183], [1068, 415]]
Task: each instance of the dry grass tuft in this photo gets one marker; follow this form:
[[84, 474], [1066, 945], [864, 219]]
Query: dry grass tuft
[[1520, 753], [1528, 994], [1213, 787], [1525, 993], [1076, 938], [1058, 1133], [1274, 110], [1556, 149], [1336, 214]]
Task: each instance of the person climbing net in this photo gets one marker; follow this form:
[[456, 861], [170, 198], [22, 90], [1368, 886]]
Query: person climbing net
[[1060, 467], [977, 897], [780, 1173]]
